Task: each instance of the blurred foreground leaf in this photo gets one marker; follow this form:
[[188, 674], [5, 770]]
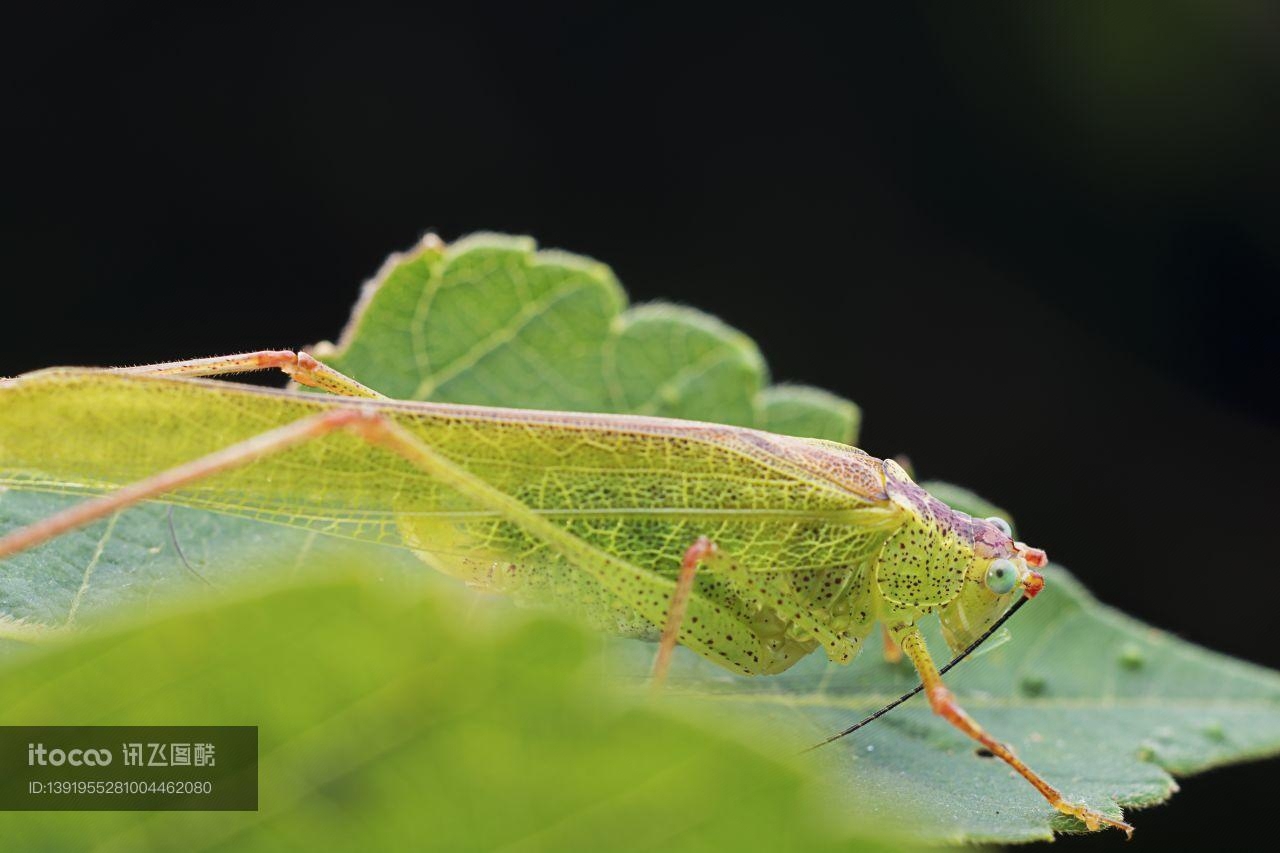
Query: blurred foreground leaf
[[402, 716]]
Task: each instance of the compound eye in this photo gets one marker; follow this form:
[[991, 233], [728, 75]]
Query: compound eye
[[1002, 524], [1002, 576]]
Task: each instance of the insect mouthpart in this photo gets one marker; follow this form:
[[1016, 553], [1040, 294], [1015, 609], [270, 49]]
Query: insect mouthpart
[[1034, 557]]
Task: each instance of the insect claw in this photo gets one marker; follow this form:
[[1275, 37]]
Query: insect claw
[[1093, 820]]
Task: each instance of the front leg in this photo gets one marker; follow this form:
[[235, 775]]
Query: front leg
[[944, 705]]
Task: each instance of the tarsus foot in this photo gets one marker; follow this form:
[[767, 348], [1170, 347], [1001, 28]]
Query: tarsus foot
[[1093, 820]]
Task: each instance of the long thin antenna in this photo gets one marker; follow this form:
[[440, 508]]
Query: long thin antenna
[[173, 537], [913, 691]]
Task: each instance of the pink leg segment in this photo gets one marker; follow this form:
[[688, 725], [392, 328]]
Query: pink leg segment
[[701, 550], [226, 459], [303, 368]]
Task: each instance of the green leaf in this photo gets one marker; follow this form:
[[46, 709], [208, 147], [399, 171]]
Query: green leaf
[[400, 714], [1104, 707], [489, 320]]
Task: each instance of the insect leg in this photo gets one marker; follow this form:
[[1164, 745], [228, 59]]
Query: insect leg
[[702, 550], [944, 705], [892, 651], [642, 587], [304, 370], [234, 456]]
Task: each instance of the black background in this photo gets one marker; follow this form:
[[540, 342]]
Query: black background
[[1040, 247]]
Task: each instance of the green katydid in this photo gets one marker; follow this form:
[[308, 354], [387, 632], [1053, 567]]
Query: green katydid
[[752, 549]]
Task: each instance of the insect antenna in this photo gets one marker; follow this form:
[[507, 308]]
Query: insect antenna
[[913, 691], [173, 537]]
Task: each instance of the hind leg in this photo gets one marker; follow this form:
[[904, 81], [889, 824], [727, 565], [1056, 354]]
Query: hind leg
[[300, 366]]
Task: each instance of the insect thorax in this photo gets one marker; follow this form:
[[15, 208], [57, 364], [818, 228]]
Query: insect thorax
[[924, 563]]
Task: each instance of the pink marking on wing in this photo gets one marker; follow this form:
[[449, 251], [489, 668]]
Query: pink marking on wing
[[854, 469]]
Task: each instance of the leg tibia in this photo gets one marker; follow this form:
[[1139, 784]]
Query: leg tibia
[[700, 551], [892, 651], [944, 705], [234, 456], [304, 370], [307, 371], [221, 365]]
